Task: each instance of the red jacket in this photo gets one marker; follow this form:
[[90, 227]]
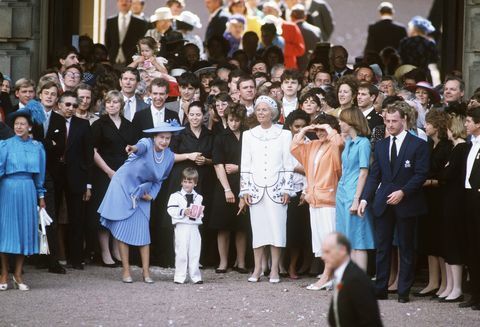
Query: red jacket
[[294, 44]]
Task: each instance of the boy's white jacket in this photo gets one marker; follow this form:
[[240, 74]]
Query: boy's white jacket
[[177, 203]]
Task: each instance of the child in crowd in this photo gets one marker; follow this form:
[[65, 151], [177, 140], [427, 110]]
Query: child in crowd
[[185, 208], [147, 61]]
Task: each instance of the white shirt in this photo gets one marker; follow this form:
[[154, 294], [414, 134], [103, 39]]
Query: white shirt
[[133, 106], [158, 115], [337, 279], [250, 110], [338, 274], [367, 112], [471, 159], [289, 106], [398, 142]]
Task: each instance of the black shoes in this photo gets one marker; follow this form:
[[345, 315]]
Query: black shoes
[[457, 299], [403, 299], [220, 271], [240, 270], [57, 268], [78, 266], [426, 294]]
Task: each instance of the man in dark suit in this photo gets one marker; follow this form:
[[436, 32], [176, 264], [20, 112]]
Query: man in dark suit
[[75, 168], [472, 185], [311, 34], [128, 84], [353, 302], [338, 62], [218, 19], [320, 14], [52, 134], [188, 84], [394, 192], [366, 95], [385, 32], [151, 117], [122, 33]]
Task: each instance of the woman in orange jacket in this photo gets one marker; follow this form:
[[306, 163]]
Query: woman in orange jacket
[[322, 162]]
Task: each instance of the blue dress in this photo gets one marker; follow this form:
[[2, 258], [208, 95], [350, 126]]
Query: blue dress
[[358, 230], [22, 173], [122, 210]]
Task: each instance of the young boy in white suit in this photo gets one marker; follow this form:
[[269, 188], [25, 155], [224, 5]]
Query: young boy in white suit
[[186, 220]]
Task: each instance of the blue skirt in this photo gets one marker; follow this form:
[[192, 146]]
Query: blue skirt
[[18, 215], [134, 230]]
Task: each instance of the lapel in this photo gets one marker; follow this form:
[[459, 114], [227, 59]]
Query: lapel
[[316, 172], [401, 154], [114, 30], [148, 118]]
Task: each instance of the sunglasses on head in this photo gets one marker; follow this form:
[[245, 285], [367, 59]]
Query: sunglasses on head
[[70, 104]]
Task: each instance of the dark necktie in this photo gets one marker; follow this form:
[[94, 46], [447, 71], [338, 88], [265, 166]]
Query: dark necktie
[[189, 202], [393, 153], [189, 198]]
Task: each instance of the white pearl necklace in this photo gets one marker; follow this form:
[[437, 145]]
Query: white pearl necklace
[[158, 160]]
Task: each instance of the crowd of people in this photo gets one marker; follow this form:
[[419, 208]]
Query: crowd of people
[[260, 140]]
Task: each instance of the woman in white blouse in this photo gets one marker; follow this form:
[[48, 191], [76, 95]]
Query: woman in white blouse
[[266, 184]]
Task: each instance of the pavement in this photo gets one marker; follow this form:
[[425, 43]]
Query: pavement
[[97, 297]]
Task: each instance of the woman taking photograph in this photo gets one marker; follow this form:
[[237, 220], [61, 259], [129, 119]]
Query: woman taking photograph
[[355, 164], [227, 150], [111, 134], [322, 163], [22, 173], [125, 209], [266, 184], [346, 88]]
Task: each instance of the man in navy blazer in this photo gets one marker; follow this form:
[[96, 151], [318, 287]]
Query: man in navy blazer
[[394, 192]]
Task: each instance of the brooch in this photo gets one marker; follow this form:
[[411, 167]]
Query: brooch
[[407, 164]]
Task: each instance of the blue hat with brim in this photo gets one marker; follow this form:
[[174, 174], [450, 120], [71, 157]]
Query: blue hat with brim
[[163, 127]]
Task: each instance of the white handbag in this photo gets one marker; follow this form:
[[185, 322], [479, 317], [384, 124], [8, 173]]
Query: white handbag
[[44, 220]]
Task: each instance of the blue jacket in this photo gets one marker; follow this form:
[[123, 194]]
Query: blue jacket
[[409, 175]]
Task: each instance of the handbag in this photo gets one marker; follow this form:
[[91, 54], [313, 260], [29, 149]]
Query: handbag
[[45, 221]]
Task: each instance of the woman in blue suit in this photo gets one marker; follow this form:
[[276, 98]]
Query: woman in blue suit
[[22, 173], [125, 209]]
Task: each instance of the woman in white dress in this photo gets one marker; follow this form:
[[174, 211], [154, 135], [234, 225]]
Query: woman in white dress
[[266, 184]]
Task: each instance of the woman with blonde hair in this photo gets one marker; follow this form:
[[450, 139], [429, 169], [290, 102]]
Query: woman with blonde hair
[[111, 135], [453, 196], [355, 164]]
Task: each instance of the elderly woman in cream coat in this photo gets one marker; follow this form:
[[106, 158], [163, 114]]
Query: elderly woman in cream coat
[[266, 184]]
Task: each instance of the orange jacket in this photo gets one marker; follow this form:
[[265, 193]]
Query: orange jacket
[[321, 182]]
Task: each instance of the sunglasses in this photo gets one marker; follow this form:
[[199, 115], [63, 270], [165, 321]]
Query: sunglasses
[[70, 104]]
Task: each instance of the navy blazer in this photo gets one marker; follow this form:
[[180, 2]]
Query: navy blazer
[[217, 25], [409, 175]]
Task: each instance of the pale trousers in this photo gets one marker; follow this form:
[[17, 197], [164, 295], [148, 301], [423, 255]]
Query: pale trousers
[[322, 222], [188, 245]]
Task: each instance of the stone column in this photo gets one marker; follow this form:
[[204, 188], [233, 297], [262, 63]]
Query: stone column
[[21, 37], [471, 54]]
